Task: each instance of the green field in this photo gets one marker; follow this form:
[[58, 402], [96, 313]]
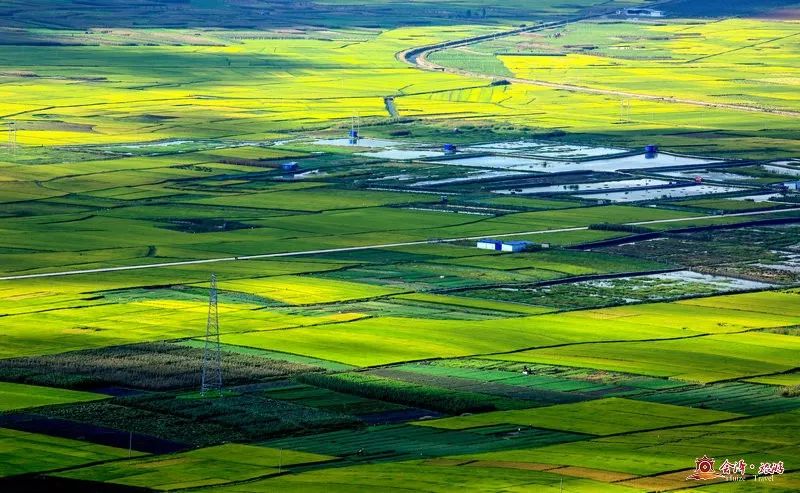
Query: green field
[[646, 454], [24, 453], [705, 359], [365, 342], [16, 396], [396, 477], [203, 467], [426, 478], [386, 340], [603, 417]]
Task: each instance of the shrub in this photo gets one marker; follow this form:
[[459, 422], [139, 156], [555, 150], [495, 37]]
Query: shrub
[[625, 228]]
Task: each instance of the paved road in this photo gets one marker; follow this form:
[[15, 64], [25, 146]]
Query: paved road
[[368, 247], [418, 57]]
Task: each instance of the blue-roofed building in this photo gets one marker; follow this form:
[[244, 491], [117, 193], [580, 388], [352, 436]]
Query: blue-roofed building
[[516, 246], [289, 167]]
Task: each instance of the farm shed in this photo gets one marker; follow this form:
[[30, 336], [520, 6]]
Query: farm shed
[[506, 246], [516, 246], [489, 244]]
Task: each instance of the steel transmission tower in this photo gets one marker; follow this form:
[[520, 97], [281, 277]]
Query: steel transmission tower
[[212, 355]]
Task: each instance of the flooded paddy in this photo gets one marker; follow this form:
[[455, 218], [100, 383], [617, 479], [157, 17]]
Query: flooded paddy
[[761, 197], [497, 162], [642, 161], [661, 193], [621, 290], [469, 177], [367, 143], [401, 155], [787, 162], [583, 187], [546, 149], [384, 148], [555, 166], [708, 175], [790, 262], [780, 169], [720, 283]]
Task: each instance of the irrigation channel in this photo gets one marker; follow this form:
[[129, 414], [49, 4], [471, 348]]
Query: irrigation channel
[[369, 247]]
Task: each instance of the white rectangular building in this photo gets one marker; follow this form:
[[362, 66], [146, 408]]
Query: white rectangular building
[[515, 246], [490, 244], [504, 246]]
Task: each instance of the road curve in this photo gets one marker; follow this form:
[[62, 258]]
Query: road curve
[[369, 247], [418, 57]]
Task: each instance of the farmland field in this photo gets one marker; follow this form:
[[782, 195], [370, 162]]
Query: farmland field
[[602, 417], [205, 467], [428, 246], [31, 452], [17, 396]]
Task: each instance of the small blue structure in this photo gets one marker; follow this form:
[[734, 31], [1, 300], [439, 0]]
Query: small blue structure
[[289, 167], [651, 149], [449, 148], [516, 246], [353, 133]]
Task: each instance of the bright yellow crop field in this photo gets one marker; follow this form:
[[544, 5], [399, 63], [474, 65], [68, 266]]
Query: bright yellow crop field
[[306, 290]]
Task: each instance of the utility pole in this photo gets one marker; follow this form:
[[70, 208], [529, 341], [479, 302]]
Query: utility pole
[[624, 111], [12, 137]]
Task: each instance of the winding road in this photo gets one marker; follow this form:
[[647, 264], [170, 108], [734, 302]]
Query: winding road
[[418, 57]]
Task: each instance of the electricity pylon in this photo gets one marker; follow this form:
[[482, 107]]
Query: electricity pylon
[[212, 354]]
